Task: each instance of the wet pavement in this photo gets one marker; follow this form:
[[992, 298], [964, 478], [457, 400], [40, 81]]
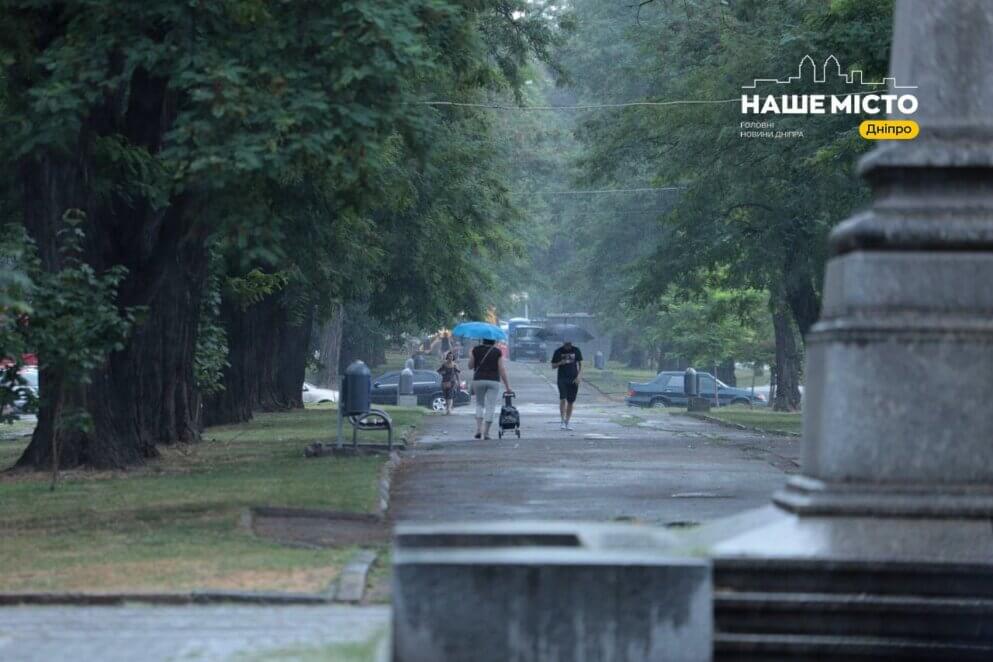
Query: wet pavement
[[618, 463], [160, 634]]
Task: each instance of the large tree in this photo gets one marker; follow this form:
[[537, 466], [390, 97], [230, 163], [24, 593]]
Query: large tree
[[154, 119], [756, 211]]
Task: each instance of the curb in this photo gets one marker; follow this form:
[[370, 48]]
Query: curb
[[739, 426], [386, 480], [351, 584]]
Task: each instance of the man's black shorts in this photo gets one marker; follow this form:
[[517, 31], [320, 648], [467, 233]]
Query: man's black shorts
[[568, 391]]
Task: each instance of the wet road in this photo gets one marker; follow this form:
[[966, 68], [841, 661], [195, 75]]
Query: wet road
[[618, 463]]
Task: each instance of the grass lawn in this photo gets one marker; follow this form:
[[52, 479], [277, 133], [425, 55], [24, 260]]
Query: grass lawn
[[614, 380], [173, 524], [354, 652], [760, 417]]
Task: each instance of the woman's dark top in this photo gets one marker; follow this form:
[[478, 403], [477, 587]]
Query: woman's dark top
[[486, 358], [448, 374]]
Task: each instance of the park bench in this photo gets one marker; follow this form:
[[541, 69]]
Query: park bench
[[373, 420]]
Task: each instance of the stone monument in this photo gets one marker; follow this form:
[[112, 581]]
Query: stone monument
[[883, 545]]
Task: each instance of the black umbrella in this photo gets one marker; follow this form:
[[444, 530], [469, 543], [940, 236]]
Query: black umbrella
[[565, 333]]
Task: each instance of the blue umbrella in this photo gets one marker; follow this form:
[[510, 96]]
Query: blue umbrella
[[479, 331]]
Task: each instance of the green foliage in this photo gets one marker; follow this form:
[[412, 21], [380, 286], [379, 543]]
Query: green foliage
[[211, 353], [15, 293], [75, 323], [745, 216], [255, 286], [760, 209]]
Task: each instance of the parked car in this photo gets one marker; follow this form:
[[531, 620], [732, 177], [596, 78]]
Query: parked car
[[666, 390], [525, 344], [313, 395], [28, 392], [427, 388]]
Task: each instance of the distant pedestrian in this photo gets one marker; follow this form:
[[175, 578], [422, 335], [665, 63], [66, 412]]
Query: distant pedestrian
[[490, 369], [450, 380], [569, 361]]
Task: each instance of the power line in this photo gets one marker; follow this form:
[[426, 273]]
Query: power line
[[594, 106], [609, 190]]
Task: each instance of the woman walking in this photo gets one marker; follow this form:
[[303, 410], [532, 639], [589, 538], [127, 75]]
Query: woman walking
[[450, 380], [490, 369]]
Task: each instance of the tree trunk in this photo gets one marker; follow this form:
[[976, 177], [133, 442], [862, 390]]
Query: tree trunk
[[144, 394], [800, 294], [293, 352], [329, 350], [235, 402], [725, 372], [788, 360], [267, 358]]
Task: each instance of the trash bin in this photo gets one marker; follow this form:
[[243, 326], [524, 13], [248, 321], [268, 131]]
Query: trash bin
[[356, 390], [598, 361]]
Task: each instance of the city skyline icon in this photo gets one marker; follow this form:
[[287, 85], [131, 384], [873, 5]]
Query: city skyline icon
[[808, 70]]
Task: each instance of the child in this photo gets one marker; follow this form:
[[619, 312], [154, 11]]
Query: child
[[450, 380]]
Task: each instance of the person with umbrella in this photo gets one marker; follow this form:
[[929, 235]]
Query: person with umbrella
[[489, 369], [569, 361]]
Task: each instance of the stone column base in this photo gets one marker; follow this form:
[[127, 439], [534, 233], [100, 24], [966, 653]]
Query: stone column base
[[809, 496]]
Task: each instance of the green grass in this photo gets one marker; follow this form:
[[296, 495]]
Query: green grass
[[614, 380], [173, 524], [15, 430], [762, 418], [344, 652]]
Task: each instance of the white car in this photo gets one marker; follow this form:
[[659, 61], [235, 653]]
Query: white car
[[313, 395]]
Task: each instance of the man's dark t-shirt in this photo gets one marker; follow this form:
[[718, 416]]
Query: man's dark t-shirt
[[568, 359]]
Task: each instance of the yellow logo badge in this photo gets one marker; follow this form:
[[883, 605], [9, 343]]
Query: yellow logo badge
[[889, 129]]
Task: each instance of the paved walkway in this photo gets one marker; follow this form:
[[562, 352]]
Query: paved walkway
[[160, 634], [618, 463]]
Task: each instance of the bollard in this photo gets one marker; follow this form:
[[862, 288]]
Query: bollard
[[406, 382], [405, 389], [691, 383], [598, 361]]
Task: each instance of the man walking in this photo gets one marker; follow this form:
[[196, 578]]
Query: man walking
[[569, 361]]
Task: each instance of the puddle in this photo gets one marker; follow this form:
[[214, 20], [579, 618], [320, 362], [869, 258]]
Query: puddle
[[699, 495]]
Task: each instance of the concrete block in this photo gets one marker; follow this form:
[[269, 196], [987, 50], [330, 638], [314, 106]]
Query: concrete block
[[406, 401], [528, 604]]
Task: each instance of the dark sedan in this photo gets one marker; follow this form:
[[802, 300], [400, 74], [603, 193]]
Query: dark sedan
[[427, 388], [526, 343], [666, 390]]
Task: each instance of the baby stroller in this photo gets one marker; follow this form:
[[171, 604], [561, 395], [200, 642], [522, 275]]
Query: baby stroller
[[510, 419]]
